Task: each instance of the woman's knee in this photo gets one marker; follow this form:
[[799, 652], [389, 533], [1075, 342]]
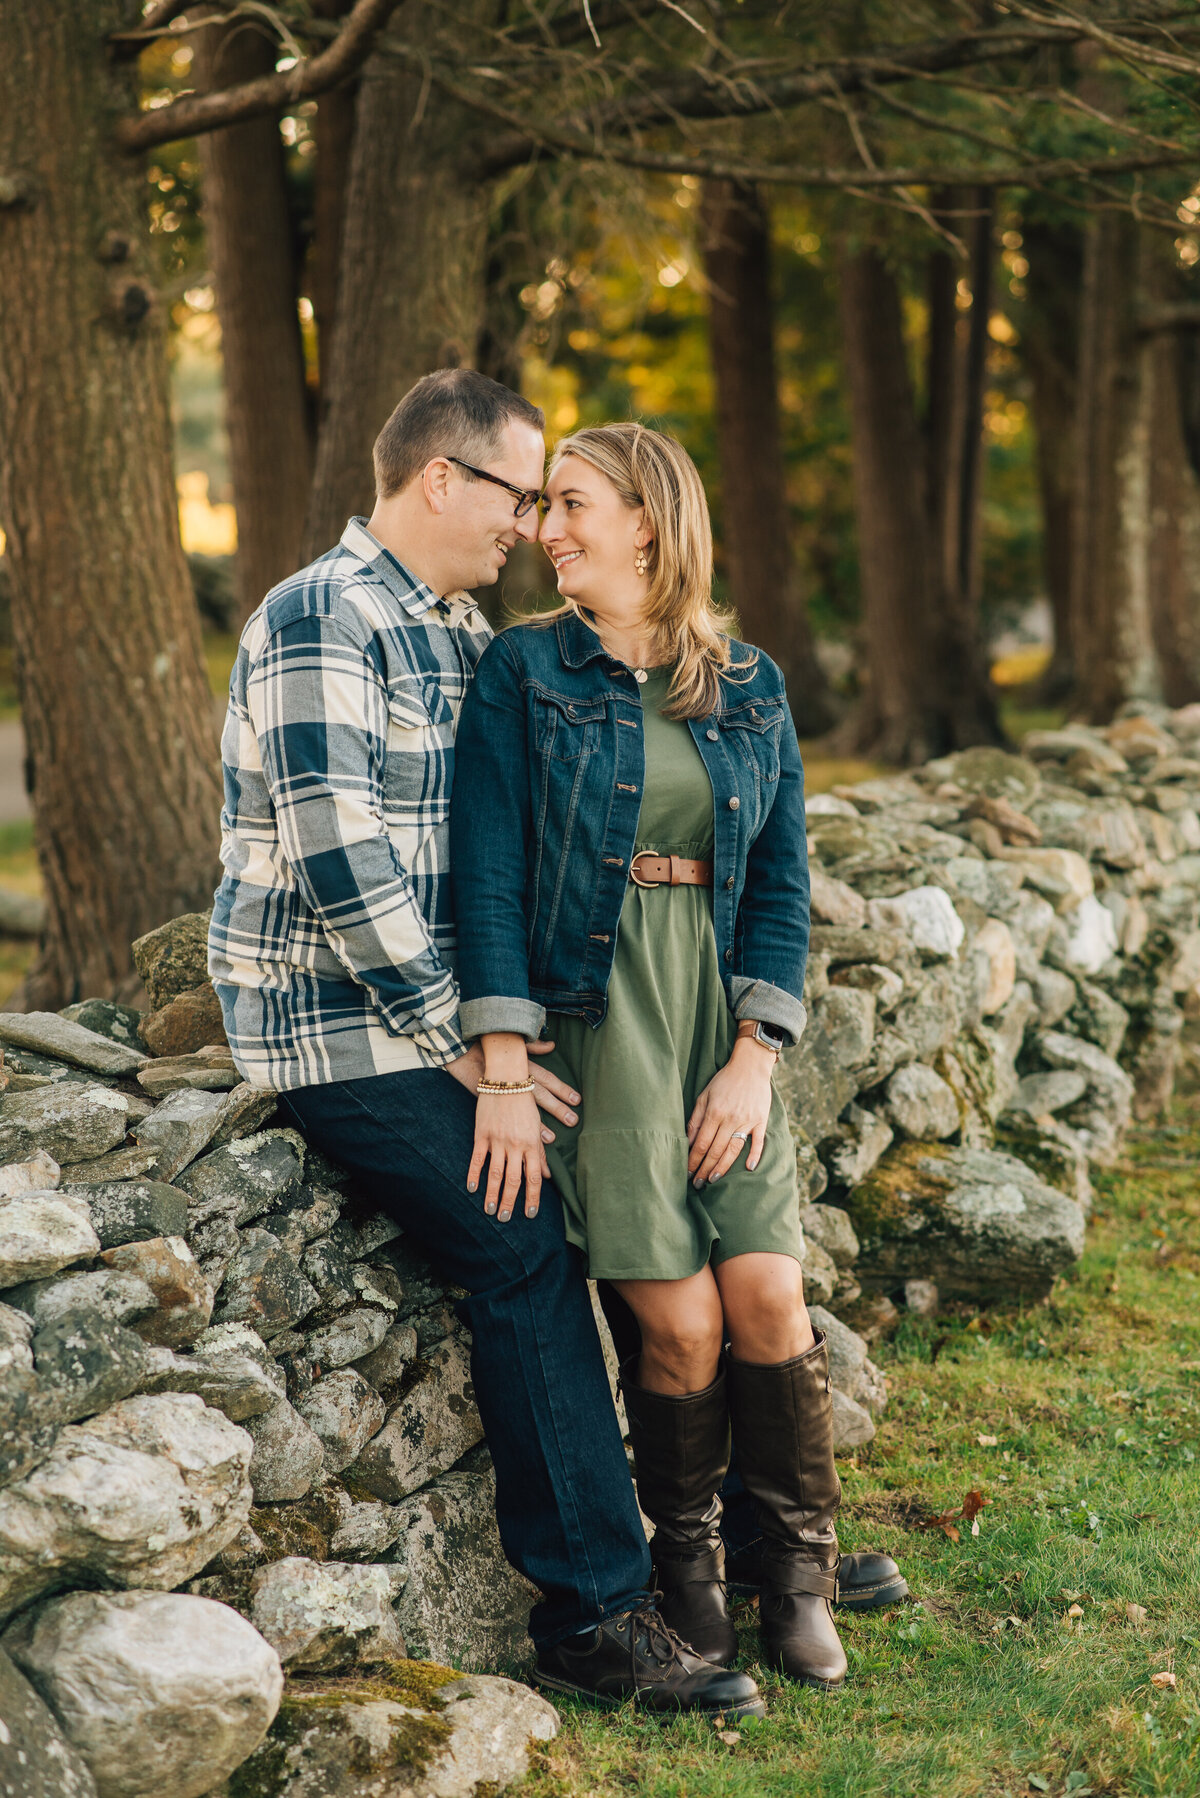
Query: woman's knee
[[764, 1308]]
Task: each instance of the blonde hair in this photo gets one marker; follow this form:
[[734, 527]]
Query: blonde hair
[[651, 470]]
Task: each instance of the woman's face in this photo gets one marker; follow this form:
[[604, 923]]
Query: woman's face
[[591, 536]]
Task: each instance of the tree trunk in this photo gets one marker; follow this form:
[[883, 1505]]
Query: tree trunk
[[333, 133], [118, 717], [901, 719], [757, 528], [254, 266], [411, 296], [1111, 630], [1173, 546], [1050, 347]]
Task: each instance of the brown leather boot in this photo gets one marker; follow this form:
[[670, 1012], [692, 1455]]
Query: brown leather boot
[[782, 1420], [680, 1455]]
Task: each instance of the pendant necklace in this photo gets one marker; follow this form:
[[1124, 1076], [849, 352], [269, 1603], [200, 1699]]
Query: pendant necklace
[[640, 676]]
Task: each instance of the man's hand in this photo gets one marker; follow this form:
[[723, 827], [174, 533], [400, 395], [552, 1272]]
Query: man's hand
[[552, 1094]]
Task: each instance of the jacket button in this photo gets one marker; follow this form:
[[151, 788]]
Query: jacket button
[[729, 955], [733, 804], [712, 735], [729, 883]]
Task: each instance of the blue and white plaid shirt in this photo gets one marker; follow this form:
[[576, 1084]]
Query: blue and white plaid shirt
[[332, 938]]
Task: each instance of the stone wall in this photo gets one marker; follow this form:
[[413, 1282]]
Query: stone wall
[[237, 1430]]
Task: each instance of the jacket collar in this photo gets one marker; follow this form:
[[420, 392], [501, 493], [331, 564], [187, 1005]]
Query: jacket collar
[[578, 642]]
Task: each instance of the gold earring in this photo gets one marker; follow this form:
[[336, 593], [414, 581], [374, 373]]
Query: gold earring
[[640, 562]]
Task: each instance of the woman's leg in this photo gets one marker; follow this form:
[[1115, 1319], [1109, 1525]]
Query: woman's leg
[[682, 1325], [678, 1414], [762, 1298], [781, 1409]]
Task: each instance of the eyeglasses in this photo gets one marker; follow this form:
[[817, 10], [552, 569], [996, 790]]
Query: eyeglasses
[[526, 497]]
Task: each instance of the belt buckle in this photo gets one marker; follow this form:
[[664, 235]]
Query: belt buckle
[[642, 854]]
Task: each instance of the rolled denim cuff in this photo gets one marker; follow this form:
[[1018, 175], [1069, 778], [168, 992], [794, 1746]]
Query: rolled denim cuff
[[767, 1004], [482, 1017]]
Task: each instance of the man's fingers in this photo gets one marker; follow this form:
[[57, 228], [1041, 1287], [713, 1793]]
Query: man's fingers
[[539, 1048], [557, 1108], [558, 1089]]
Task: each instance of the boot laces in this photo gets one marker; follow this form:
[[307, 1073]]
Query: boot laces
[[648, 1632]]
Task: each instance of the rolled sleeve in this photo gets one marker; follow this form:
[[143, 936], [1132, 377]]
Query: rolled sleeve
[[766, 1004], [483, 1017]]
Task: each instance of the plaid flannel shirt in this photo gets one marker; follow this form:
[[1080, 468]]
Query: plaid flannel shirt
[[332, 939]]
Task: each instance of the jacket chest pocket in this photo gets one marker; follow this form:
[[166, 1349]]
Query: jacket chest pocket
[[565, 730], [752, 731]]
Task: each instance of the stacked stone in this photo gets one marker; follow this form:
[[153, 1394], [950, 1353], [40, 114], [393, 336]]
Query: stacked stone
[[231, 1399], [237, 1431]]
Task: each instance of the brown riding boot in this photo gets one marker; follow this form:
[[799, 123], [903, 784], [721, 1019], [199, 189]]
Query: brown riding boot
[[782, 1420], [680, 1455]]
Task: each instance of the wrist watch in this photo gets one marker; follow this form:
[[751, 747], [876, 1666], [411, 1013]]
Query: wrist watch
[[769, 1037]]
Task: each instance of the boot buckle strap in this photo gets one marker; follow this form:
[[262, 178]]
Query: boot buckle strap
[[702, 1570], [796, 1577]]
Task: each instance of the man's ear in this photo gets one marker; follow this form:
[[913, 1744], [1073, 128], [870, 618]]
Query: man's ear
[[435, 483]]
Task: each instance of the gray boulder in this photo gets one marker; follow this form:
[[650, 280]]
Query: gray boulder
[[71, 1122], [920, 1104], [288, 1455], [41, 1173], [830, 1226], [247, 1177], [142, 1495], [36, 1759], [859, 1140], [41, 1232], [976, 1221], [47, 1033], [431, 1428], [320, 1615], [439, 1737], [132, 1210], [159, 1691], [264, 1287], [179, 1129], [853, 1425], [183, 1297], [345, 1412]]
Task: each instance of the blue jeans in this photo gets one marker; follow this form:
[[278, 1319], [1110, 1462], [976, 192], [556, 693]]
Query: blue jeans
[[564, 1500]]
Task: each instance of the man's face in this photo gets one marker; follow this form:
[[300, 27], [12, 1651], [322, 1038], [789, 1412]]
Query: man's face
[[481, 514]]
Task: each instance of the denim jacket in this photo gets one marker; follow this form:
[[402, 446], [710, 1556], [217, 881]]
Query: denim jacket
[[549, 764]]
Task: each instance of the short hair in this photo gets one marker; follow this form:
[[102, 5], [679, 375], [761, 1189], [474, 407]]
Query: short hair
[[452, 412]]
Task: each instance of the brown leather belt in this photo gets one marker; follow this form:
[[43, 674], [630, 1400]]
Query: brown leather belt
[[669, 870]]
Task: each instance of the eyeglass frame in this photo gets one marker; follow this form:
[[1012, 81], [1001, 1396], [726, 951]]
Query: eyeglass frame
[[531, 496]]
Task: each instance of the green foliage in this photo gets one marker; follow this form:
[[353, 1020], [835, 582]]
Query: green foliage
[[1020, 1667]]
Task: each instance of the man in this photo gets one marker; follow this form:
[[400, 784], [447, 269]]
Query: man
[[332, 951]]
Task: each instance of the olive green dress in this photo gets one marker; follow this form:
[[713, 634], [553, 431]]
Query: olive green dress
[[622, 1170]]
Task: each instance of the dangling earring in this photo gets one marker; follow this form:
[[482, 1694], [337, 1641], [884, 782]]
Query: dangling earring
[[640, 562]]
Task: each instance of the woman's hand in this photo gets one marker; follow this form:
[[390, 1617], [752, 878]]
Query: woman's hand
[[738, 1097], [509, 1133], [508, 1136]]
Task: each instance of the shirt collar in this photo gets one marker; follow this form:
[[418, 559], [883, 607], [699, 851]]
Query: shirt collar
[[404, 586]]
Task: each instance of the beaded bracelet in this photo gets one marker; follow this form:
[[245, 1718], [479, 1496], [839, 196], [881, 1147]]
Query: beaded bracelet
[[505, 1086]]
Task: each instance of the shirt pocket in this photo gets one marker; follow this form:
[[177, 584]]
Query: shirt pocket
[[753, 731], [565, 730]]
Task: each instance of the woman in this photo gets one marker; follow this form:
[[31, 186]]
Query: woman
[[629, 868]]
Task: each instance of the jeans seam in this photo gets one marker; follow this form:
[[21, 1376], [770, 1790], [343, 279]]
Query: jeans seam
[[579, 1532]]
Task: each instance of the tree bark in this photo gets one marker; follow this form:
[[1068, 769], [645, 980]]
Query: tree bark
[[411, 296], [763, 583], [1173, 539], [901, 720], [253, 260], [1050, 347], [118, 717], [333, 133], [1111, 627]]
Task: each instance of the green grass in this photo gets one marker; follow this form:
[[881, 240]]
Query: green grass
[[986, 1685]]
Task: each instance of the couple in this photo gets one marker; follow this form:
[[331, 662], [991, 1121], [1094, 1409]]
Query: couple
[[623, 866]]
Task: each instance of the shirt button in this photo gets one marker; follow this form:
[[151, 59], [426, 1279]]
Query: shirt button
[[733, 804], [729, 883], [712, 735], [729, 955]]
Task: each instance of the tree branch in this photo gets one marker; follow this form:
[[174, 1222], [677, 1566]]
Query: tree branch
[[194, 113], [129, 43]]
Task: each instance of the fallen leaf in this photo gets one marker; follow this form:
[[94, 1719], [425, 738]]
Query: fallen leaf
[[973, 1504], [1166, 1682], [1076, 1610], [731, 1737], [987, 1441], [1037, 1782], [1137, 1614]]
